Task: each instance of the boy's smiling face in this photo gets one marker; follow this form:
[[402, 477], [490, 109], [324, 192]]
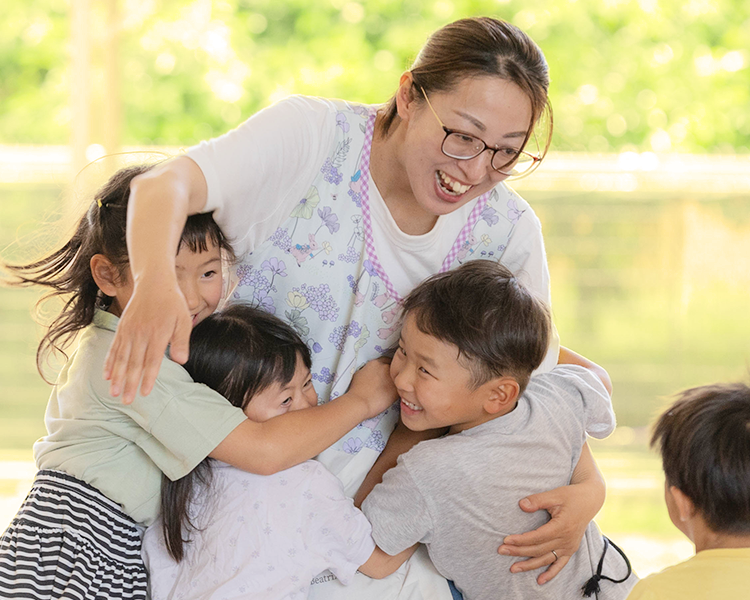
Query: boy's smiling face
[[436, 389]]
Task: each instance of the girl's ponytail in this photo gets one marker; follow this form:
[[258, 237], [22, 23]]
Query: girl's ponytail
[[67, 271]]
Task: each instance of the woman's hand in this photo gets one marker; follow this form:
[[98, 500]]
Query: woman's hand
[[571, 508], [373, 385], [155, 316]]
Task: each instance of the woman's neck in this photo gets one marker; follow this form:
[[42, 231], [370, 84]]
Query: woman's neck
[[388, 173]]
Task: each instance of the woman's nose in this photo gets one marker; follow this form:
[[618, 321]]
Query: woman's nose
[[477, 168]]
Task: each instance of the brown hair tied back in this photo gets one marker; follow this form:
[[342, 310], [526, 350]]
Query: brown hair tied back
[[481, 47]]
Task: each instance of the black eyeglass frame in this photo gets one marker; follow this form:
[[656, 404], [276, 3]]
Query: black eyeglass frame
[[448, 132]]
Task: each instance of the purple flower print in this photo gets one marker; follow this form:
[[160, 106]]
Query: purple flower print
[[356, 197], [276, 266], [351, 256], [352, 445], [317, 348], [280, 238], [369, 267], [341, 122], [330, 220], [513, 213], [376, 441], [330, 173], [325, 376], [252, 277], [489, 215], [265, 302], [320, 300], [340, 333]]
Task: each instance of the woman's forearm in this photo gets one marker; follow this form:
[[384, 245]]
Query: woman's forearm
[[157, 314], [568, 357]]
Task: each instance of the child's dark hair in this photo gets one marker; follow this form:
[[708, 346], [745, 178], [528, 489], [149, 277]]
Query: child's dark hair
[[704, 440], [67, 272], [499, 327], [238, 352]]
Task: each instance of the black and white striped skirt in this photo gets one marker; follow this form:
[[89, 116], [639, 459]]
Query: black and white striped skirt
[[69, 541]]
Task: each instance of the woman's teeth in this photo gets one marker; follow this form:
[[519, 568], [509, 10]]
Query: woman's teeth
[[450, 185], [410, 405]]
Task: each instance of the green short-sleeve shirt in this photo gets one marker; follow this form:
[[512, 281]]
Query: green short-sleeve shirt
[[121, 449]]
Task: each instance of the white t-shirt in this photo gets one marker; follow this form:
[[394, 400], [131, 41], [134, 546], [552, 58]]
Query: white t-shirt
[[258, 172], [262, 537]]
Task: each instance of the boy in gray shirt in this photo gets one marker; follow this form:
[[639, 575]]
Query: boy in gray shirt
[[469, 343]]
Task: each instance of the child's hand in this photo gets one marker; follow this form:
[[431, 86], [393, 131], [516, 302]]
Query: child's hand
[[373, 385]]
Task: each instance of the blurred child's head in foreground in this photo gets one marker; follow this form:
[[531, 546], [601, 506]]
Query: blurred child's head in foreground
[[470, 340], [704, 440]]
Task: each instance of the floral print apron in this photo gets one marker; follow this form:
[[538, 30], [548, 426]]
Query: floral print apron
[[320, 272]]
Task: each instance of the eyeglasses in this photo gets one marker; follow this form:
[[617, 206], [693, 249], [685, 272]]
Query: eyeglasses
[[463, 146]]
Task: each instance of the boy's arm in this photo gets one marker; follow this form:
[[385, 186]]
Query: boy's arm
[[401, 440], [381, 565], [284, 441]]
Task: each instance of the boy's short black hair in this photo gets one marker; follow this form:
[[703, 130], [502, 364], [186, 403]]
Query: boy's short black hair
[[704, 440], [499, 327]]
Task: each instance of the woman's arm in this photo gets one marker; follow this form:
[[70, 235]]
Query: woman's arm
[[245, 178], [282, 442], [157, 315], [571, 507]]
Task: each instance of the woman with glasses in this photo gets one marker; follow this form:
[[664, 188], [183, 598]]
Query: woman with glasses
[[338, 210]]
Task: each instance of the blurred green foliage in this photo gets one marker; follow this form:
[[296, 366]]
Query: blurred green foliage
[[626, 75]]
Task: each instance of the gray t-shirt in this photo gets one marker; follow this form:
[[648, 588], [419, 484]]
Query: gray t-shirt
[[459, 494]]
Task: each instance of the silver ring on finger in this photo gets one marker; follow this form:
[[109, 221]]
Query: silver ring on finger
[[556, 556]]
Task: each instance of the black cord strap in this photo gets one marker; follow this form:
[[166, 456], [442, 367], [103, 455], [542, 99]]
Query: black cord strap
[[592, 585]]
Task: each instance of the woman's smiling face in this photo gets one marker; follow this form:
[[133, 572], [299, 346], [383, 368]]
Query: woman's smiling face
[[492, 109]]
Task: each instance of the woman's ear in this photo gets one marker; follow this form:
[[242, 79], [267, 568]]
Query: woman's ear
[[503, 392], [405, 95], [105, 274]]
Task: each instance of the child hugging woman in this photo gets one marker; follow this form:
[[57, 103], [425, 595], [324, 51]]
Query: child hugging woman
[[247, 535], [78, 533]]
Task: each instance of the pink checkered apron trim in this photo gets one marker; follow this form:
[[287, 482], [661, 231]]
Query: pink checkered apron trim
[[367, 221]]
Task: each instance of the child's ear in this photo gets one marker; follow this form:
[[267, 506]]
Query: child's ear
[[684, 505], [503, 393], [105, 274]]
